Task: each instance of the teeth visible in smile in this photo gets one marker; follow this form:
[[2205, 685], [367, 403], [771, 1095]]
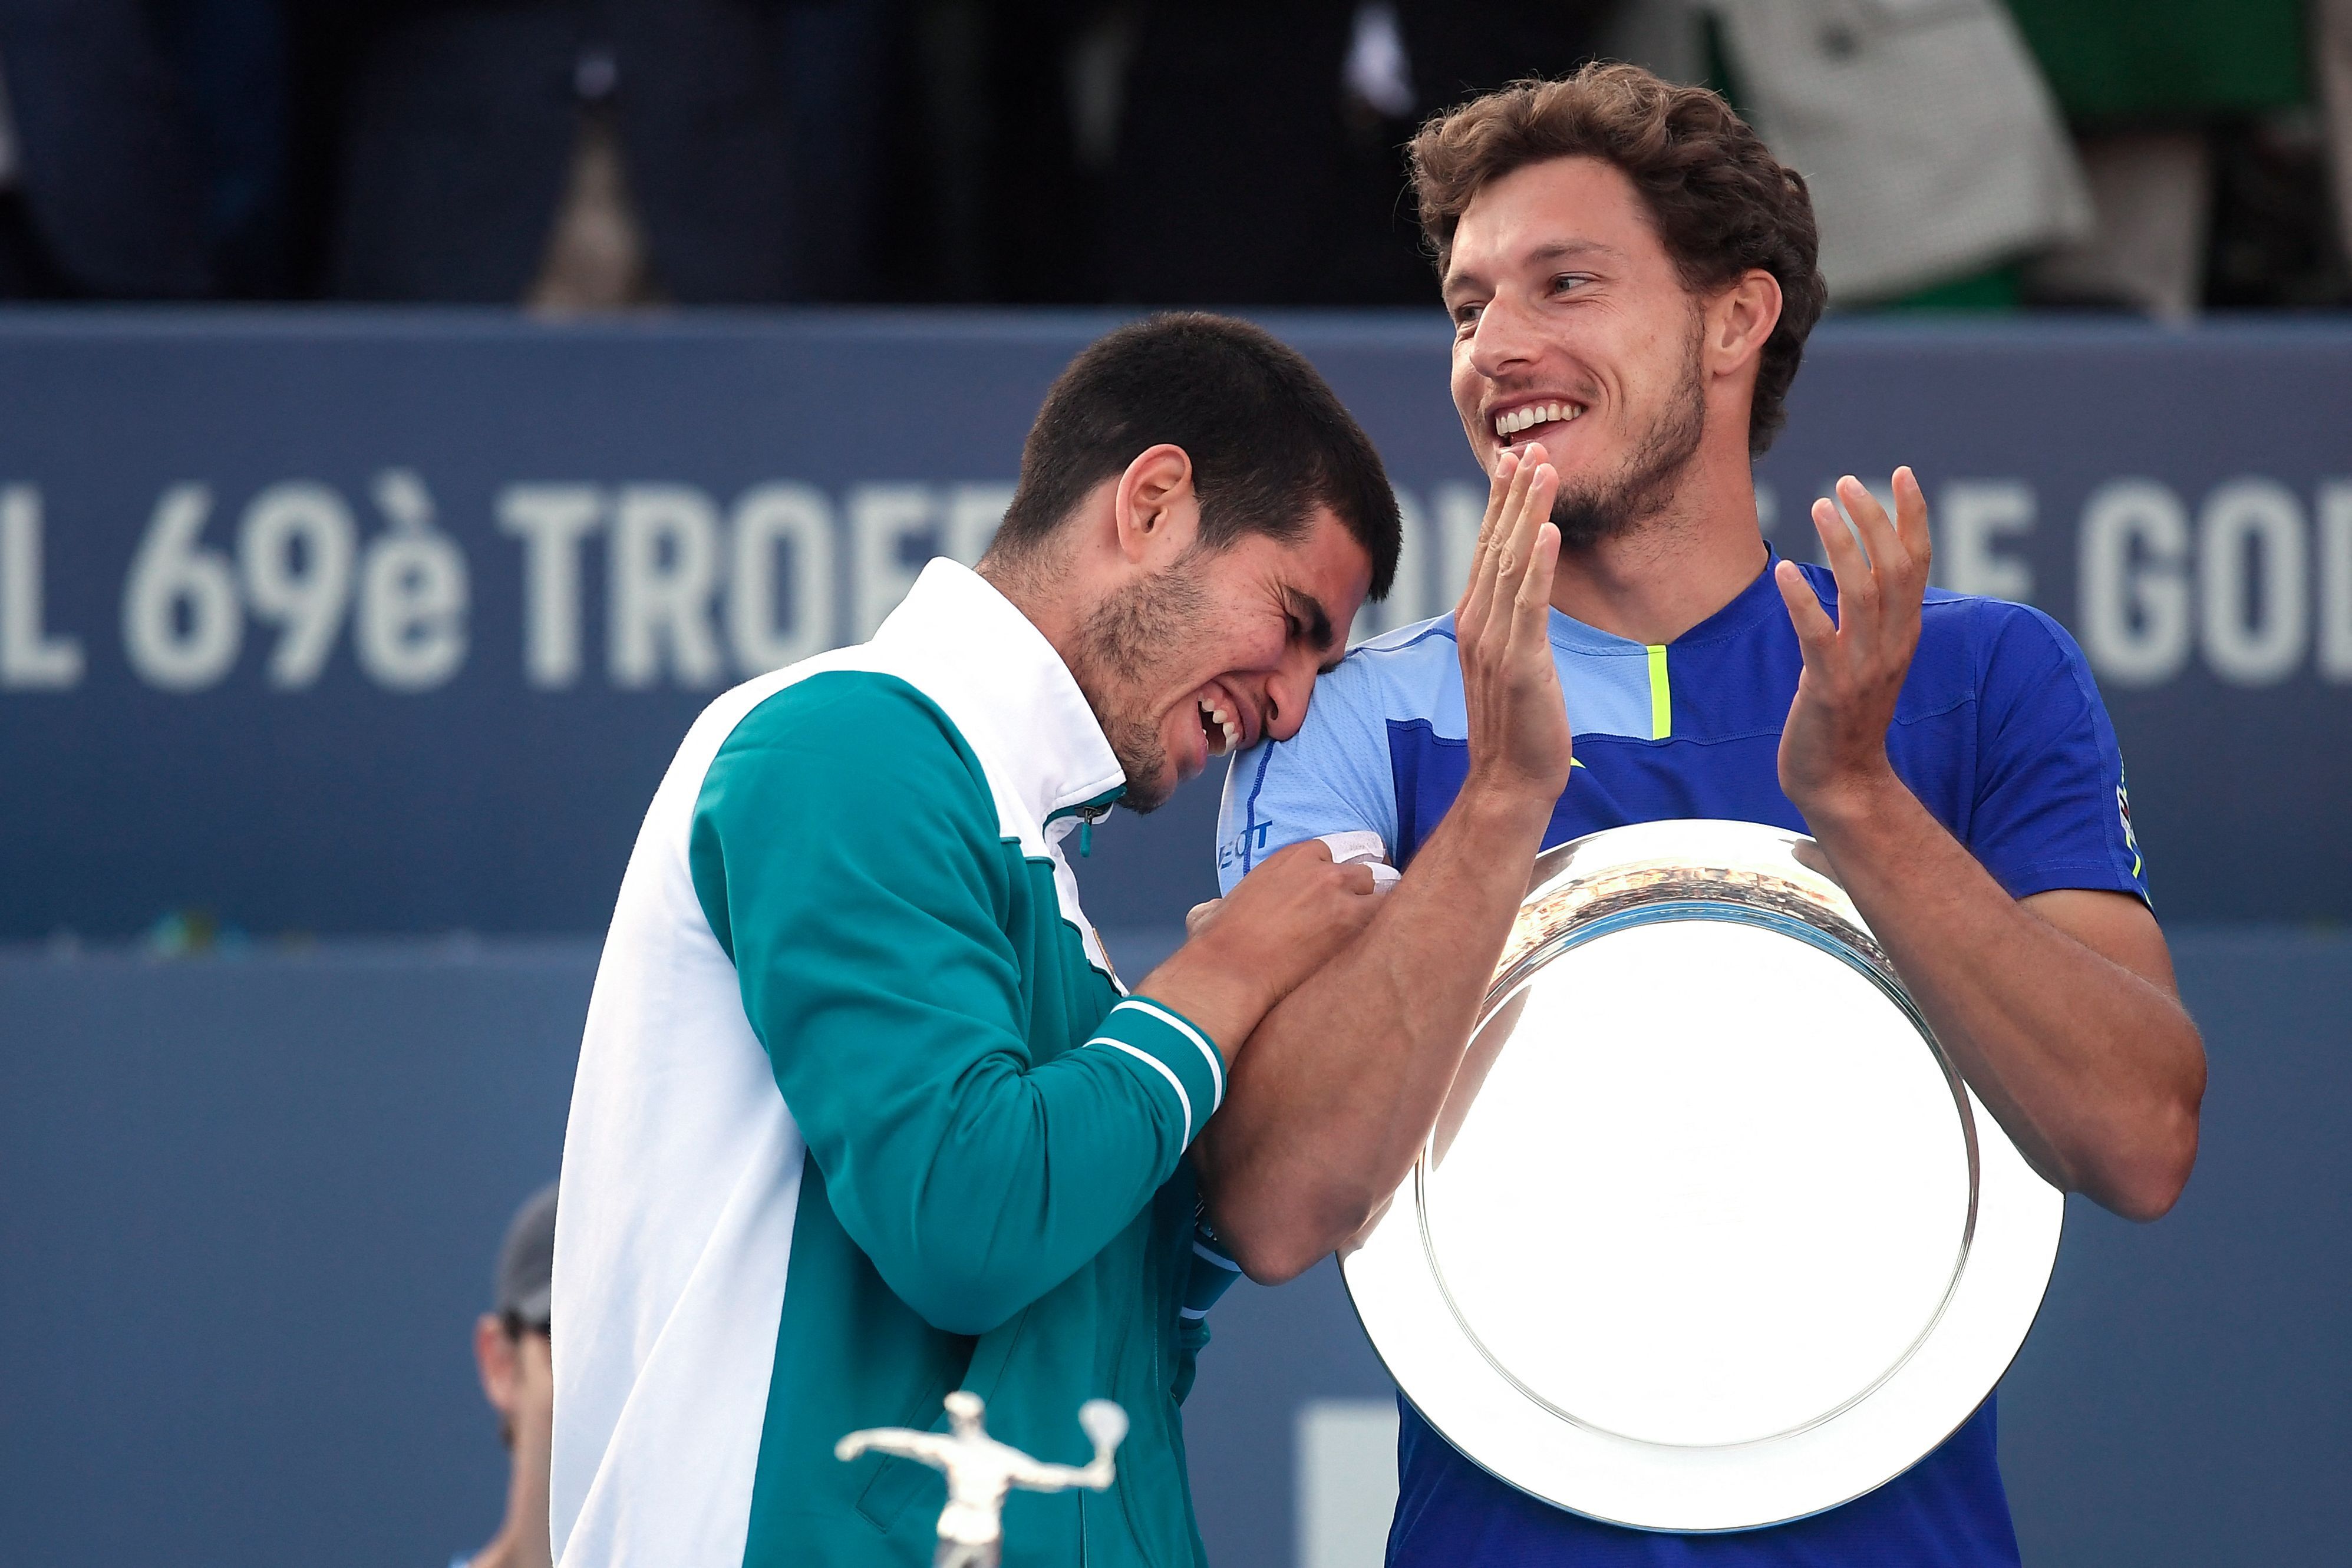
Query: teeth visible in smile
[[1222, 728], [1527, 418]]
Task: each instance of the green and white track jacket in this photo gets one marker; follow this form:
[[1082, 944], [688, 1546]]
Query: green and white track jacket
[[862, 1118]]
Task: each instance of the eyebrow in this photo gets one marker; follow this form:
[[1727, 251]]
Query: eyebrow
[[1309, 608], [1558, 250]]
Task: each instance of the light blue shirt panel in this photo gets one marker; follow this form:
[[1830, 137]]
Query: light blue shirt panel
[[1334, 776], [1604, 677], [1417, 675]]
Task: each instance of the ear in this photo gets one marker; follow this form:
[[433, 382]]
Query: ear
[[1740, 320], [1157, 515], [494, 1354]]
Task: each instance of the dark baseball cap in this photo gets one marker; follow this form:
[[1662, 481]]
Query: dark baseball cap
[[527, 1260]]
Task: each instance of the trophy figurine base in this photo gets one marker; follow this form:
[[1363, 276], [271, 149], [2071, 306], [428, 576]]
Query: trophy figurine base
[[970, 1537]]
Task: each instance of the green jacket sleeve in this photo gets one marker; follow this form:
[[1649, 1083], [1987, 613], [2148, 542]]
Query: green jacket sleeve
[[845, 851]]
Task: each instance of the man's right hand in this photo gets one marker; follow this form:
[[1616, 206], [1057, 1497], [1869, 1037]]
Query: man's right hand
[[1520, 744], [1282, 923], [1336, 1095]]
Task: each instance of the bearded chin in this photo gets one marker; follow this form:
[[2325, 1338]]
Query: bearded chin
[[1129, 635], [1589, 515], [1145, 762], [1594, 513]]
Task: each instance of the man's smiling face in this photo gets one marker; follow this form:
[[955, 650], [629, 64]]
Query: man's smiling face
[[1573, 328], [1219, 650]]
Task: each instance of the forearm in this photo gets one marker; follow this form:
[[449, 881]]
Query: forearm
[[976, 1182], [2094, 1071], [1337, 1089]]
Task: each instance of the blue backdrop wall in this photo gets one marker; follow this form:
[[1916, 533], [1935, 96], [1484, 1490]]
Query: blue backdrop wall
[[251, 1206], [371, 627], [364, 623]]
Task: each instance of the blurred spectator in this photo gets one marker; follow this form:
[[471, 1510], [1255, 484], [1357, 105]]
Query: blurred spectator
[[1228, 183], [2207, 166], [1932, 148], [834, 55], [511, 1345], [2332, 61], [988, 197], [141, 148], [592, 154], [1258, 156], [570, 153]]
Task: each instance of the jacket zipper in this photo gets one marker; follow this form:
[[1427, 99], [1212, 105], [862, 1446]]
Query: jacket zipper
[[1087, 818], [1088, 812]]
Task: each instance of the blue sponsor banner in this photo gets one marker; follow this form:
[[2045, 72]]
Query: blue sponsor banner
[[336, 622]]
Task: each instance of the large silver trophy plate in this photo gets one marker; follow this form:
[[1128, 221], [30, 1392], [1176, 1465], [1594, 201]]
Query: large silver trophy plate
[[1709, 1234]]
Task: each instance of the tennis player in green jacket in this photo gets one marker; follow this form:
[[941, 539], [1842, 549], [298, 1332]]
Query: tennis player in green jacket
[[863, 1115]]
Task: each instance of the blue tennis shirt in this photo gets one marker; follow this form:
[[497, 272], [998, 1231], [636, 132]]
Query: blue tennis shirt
[[1998, 731]]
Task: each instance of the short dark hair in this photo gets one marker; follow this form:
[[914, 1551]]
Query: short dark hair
[[1268, 439], [1721, 203]]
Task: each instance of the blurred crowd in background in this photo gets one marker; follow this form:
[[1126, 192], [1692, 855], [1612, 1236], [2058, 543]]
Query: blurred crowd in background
[[2156, 156]]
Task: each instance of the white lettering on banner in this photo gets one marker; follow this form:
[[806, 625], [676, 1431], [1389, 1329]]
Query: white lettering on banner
[[973, 514], [1434, 560], [695, 595], [2253, 639], [171, 575], [1792, 533], [664, 570], [1970, 519], [1460, 510], [410, 631], [1811, 537], [294, 550], [769, 521], [2135, 598], [30, 659], [1410, 591], [551, 521], [890, 531], [2335, 580], [1804, 541]]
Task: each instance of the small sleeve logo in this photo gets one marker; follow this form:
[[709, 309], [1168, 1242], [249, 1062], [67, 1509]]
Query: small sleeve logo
[[2123, 813]]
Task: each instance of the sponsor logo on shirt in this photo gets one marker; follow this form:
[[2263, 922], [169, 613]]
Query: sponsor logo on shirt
[[1238, 852]]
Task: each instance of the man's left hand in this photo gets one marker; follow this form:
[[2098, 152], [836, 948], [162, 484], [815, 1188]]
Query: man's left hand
[[1833, 746]]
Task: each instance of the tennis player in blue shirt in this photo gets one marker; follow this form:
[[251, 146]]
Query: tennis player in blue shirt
[[1631, 275]]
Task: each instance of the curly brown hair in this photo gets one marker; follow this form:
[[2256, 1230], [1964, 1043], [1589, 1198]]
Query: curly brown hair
[[1721, 203]]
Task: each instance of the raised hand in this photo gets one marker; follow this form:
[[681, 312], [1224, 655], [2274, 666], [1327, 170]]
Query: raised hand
[[1833, 745], [1519, 737]]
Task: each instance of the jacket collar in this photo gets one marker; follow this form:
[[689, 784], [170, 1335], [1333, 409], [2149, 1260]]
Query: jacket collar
[[1007, 689]]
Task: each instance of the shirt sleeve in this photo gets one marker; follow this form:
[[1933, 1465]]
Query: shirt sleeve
[[1332, 776], [845, 851], [2050, 808]]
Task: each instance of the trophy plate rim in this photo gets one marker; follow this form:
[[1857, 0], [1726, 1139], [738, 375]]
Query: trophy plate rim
[[1487, 1394]]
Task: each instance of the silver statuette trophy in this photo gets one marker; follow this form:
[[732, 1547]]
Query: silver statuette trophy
[[981, 1471]]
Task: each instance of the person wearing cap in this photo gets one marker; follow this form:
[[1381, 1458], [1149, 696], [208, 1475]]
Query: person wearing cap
[[512, 1346]]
